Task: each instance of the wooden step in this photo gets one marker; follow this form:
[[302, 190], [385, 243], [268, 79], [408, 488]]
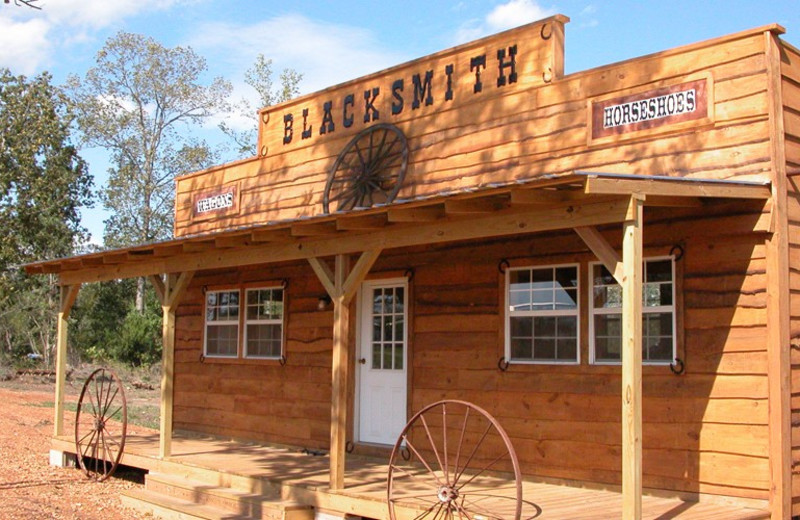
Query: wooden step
[[170, 508], [255, 505]]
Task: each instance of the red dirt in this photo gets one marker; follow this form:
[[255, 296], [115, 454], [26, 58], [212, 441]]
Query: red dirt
[[32, 489]]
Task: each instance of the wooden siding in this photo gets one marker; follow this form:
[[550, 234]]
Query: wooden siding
[[791, 118], [704, 432], [526, 133]]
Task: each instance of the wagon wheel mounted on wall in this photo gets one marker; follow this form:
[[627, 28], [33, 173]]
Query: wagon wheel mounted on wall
[[368, 171], [101, 424], [454, 461]]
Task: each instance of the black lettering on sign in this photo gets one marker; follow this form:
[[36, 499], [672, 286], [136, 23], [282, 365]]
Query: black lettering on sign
[[288, 120], [503, 64], [476, 64], [370, 112], [448, 93], [347, 120], [327, 119], [421, 89], [306, 129], [397, 94]]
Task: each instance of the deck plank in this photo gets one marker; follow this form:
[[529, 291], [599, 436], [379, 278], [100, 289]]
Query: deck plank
[[365, 493]]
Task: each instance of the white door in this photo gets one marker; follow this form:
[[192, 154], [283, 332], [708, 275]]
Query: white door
[[382, 362]]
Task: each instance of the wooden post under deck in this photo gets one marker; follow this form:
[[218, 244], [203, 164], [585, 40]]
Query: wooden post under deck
[[632, 362], [341, 285], [169, 293], [68, 295]]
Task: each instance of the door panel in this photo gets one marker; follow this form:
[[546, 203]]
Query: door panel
[[382, 368]]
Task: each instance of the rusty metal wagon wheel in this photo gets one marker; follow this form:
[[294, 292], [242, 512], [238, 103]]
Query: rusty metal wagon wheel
[[454, 461], [101, 424], [368, 171]]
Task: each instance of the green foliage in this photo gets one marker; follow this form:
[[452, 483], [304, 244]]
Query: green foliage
[[139, 341], [259, 77], [43, 185], [137, 103], [104, 325]]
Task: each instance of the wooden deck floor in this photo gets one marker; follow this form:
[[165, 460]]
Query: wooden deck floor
[[304, 477]]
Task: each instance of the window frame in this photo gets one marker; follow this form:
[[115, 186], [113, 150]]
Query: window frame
[[576, 312], [645, 310], [206, 324], [281, 321]]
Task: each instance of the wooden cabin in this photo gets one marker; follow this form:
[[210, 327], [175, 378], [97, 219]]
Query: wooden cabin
[[607, 262]]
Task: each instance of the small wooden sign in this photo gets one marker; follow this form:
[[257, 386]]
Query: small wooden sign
[[668, 107], [213, 203]]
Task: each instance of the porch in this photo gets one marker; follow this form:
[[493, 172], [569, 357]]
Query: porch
[[247, 472]]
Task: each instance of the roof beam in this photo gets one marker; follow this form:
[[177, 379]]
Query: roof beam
[[475, 205], [272, 235], [375, 221], [313, 229], [672, 188], [501, 223], [417, 214]]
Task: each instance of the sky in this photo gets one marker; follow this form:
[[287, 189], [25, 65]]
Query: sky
[[334, 41]]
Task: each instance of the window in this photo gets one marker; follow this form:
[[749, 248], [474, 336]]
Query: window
[[222, 324], [542, 314], [658, 313], [263, 333]]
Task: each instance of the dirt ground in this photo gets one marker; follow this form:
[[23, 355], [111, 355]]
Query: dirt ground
[[32, 489]]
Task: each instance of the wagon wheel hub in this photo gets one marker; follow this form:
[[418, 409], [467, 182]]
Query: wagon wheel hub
[[447, 494], [99, 424]]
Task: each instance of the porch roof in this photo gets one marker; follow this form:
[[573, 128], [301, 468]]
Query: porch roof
[[542, 204]]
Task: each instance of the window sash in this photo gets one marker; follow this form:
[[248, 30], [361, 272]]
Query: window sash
[[213, 344], [550, 340], [251, 342], [646, 312]]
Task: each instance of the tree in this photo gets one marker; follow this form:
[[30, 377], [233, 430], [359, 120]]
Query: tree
[[139, 103], [259, 77], [28, 3], [43, 184]]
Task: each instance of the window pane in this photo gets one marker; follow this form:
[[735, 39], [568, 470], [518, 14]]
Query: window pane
[[264, 340], [521, 348], [567, 327], [520, 279], [544, 349], [398, 328], [566, 299], [520, 301], [387, 357], [398, 356], [376, 355], [221, 340], [601, 276], [377, 301], [400, 299], [544, 327], [658, 271], [387, 328], [521, 327], [567, 349], [543, 278], [567, 277]]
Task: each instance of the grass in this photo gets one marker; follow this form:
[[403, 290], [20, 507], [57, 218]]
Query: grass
[[146, 416]]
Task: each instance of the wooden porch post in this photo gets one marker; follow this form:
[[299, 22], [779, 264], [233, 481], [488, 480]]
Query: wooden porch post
[[632, 362], [68, 295], [169, 293], [341, 285]]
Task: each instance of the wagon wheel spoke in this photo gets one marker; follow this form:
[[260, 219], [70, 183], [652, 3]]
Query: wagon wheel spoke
[[99, 444], [465, 451], [369, 170]]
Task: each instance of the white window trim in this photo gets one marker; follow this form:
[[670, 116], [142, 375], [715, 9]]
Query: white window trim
[[244, 304], [576, 312], [207, 324], [645, 310]]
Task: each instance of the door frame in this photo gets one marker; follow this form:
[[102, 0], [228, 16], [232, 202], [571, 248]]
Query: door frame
[[359, 334]]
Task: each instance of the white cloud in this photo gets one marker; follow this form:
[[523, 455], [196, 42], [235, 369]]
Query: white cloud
[[325, 53], [504, 16], [30, 37], [23, 44]]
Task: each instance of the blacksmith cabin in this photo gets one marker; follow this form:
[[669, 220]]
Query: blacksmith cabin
[[607, 262]]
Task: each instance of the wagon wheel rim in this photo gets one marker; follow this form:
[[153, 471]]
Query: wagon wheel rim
[[369, 170], [101, 424], [445, 465]]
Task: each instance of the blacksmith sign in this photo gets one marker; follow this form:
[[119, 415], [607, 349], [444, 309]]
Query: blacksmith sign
[[460, 77]]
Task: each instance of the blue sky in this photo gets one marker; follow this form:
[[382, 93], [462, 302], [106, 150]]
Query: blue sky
[[333, 41]]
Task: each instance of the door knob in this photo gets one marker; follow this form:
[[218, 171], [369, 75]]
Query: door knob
[[363, 361]]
